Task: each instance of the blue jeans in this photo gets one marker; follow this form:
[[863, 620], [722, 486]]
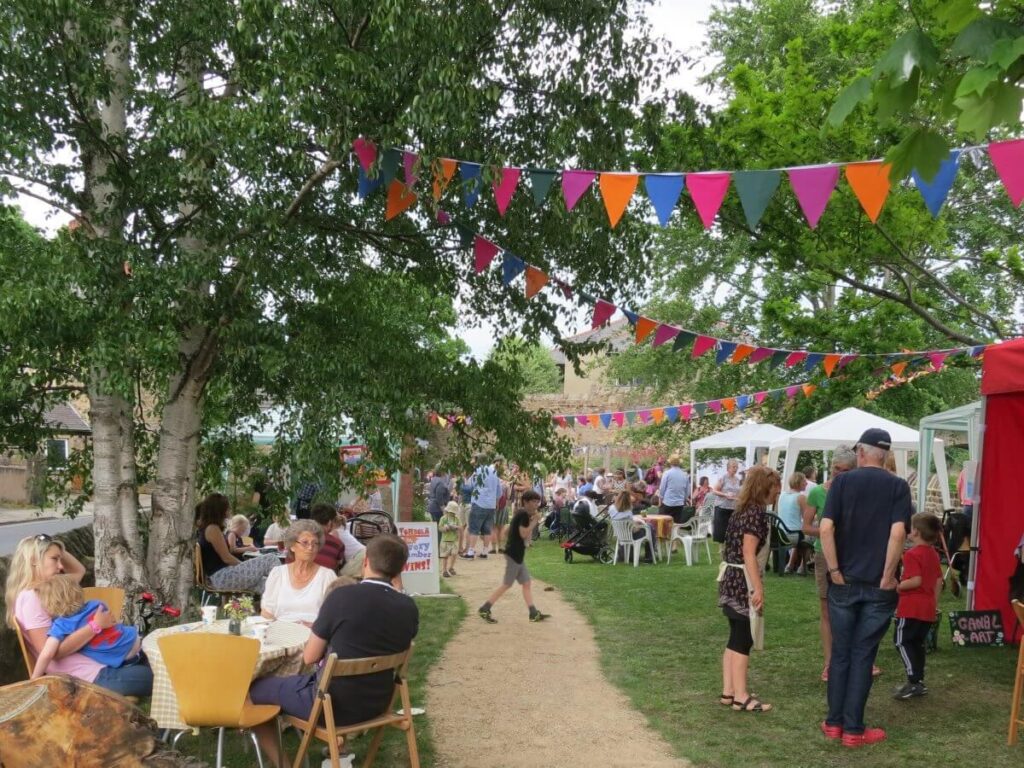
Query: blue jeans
[[860, 615], [129, 680]]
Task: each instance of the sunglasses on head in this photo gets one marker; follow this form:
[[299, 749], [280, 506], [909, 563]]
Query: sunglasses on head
[[44, 537]]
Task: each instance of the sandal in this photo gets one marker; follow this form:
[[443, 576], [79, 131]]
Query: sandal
[[751, 705], [726, 701]]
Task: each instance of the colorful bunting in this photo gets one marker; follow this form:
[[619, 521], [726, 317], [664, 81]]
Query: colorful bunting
[[743, 351], [540, 184], [644, 328], [672, 414], [390, 164], [683, 340], [708, 191], [685, 411], [574, 184], [658, 415], [444, 171], [725, 348], [742, 402], [898, 368], [715, 406], [808, 389], [756, 189], [664, 334], [1008, 158], [935, 191], [365, 185], [410, 162], [870, 183], [700, 408], [603, 311], [729, 403], [535, 280], [505, 188], [702, 345], [813, 186], [663, 190], [606, 420], [759, 354], [830, 363], [759, 397], [511, 267], [366, 153], [938, 358], [812, 360], [794, 357], [400, 199], [778, 358], [617, 190], [630, 315], [470, 173], [618, 417], [484, 252]]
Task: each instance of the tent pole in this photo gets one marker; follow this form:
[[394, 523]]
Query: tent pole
[[972, 571]]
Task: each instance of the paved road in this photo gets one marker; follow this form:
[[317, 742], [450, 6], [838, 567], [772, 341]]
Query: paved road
[[12, 533]]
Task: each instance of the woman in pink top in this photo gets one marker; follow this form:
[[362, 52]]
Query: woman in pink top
[[39, 558]]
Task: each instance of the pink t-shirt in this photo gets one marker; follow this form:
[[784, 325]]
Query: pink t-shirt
[[30, 614]]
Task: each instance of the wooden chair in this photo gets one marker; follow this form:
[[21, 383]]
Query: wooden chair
[[113, 597], [26, 655], [206, 591], [211, 674], [334, 735], [1016, 716]]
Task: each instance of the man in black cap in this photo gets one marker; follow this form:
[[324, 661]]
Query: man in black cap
[[866, 518]]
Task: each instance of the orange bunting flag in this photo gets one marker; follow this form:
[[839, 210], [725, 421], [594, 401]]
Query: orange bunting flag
[[594, 419], [658, 414], [444, 170], [808, 389], [535, 280], [743, 351], [870, 183], [729, 403], [898, 368], [400, 199], [830, 363], [617, 190], [644, 328]]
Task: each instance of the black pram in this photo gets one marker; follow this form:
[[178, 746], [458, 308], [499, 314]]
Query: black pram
[[590, 536]]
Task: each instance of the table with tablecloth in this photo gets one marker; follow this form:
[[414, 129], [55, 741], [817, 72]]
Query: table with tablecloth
[[661, 528], [280, 654]]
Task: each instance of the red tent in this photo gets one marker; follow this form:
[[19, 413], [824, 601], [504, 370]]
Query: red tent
[[1001, 508]]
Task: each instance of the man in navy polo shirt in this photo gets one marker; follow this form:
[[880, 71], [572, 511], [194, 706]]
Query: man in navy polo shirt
[[867, 514]]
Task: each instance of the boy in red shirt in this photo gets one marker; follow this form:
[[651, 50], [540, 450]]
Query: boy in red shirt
[[915, 613]]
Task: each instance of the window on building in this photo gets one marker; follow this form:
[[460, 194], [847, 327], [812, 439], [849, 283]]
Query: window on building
[[57, 452]]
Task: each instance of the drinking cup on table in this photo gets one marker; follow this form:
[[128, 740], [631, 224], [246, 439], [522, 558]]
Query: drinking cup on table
[[209, 614]]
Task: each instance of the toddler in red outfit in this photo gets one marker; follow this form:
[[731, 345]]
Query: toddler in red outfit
[[915, 613]]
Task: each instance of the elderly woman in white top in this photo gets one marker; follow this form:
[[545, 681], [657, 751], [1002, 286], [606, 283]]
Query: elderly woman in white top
[[296, 591]]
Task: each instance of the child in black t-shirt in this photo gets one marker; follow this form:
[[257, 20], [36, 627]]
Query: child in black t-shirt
[[520, 534]]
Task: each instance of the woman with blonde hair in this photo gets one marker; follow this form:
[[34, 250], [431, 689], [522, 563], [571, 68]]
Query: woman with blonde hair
[[40, 558], [741, 589]]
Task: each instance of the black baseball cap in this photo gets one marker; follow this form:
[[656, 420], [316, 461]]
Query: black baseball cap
[[876, 437]]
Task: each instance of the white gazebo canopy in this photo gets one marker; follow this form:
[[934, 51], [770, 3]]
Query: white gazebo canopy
[[967, 418], [749, 435], [845, 426]]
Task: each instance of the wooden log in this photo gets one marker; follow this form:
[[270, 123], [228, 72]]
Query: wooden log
[[61, 721]]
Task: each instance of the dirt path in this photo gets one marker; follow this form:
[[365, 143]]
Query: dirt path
[[549, 705]]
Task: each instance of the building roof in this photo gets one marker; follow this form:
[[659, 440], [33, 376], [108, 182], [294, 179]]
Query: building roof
[[616, 333], [65, 419]]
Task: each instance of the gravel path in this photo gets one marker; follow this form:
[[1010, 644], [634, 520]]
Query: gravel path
[[530, 695]]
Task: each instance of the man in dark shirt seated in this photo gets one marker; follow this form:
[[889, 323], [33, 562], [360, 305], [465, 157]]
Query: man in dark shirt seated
[[371, 618], [332, 553]]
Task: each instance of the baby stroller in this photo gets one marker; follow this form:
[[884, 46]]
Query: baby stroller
[[367, 525], [590, 537]]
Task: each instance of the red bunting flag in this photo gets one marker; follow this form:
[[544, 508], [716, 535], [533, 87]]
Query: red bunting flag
[[535, 280], [644, 328], [505, 187], [708, 191], [366, 152], [1008, 158], [484, 252], [400, 199], [702, 345], [619, 417], [938, 358], [761, 353], [664, 334], [603, 310], [794, 358]]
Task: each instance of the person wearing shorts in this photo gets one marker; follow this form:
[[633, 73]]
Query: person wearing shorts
[[486, 491], [520, 535]]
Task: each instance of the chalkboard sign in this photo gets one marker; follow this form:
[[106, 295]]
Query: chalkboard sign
[[976, 628]]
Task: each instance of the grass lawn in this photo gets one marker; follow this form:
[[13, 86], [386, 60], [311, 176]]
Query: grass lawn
[[661, 637], [439, 618]]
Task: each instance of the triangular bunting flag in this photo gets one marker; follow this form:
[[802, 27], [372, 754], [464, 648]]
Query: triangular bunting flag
[[443, 218], [484, 252], [630, 417], [606, 420], [776, 394], [938, 358], [603, 310], [582, 419], [685, 411], [664, 334], [390, 164], [725, 348], [672, 414], [808, 389], [1008, 158], [813, 186], [410, 161], [743, 351], [899, 368], [644, 416], [759, 397], [535, 280], [658, 415], [935, 191], [978, 350], [574, 184], [715, 406], [742, 402], [366, 153], [564, 287], [791, 391], [759, 354], [846, 360], [664, 189], [511, 267], [755, 189], [594, 419], [617, 190], [365, 185], [870, 183], [701, 345], [700, 408], [644, 328], [400, 198], [778, 358], [505, 188], [812, 360], [630, 315], [444, 170], [708, 191], [729, 403], [470, 173], [794, 358], [618, 417], [830, 363], [540, 184], [560, 421], [466, 235], [683, 340]]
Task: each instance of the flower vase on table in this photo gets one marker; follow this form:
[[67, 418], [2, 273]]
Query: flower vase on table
[[235, 626], [237, 609]]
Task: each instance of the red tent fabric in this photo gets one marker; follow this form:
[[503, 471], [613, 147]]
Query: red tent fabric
[[1001, 513]]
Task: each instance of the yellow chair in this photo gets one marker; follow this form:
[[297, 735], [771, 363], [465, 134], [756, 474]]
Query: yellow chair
[[210, 674], [1016, 717], [335, 735], [26, 655], [206, 590], [113, 597]]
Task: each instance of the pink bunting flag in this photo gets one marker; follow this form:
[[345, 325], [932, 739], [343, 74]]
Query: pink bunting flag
[[564, 287], [791, 391], [619, 417], [794, 358], [409, 160], [938, 358], [484, 252], [702, 345], [366, 152], [1008, 158], [715, 406], [759, 354], [759, 397], [685, 411], [644, 416], [574, 184], [505, 188], [581, 418], [708, 191], [846, 360], [664, 334], [813, 186], [603, 311]]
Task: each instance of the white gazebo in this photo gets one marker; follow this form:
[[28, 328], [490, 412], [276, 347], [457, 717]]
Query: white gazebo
[[967, 418], [844, 427], [749, 435]]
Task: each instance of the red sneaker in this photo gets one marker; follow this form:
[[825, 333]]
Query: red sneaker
[[833, 732], [870, 736]]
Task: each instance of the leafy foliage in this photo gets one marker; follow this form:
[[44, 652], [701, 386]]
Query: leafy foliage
[[533, 363]]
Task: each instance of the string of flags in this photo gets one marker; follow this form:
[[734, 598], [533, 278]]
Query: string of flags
[[812, 185], [683, 412]]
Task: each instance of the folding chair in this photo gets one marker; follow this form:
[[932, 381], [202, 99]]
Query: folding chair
[[112, 597], [206, 591], [1016, 716], [26, 655], [335, 735]]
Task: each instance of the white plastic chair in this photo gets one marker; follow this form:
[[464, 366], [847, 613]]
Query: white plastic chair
[[623, 530], [689, 533]]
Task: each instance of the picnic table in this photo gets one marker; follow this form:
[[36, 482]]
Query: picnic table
[[661, 528]]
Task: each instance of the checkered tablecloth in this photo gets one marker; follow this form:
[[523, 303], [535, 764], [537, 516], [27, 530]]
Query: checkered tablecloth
[[280, 654]]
